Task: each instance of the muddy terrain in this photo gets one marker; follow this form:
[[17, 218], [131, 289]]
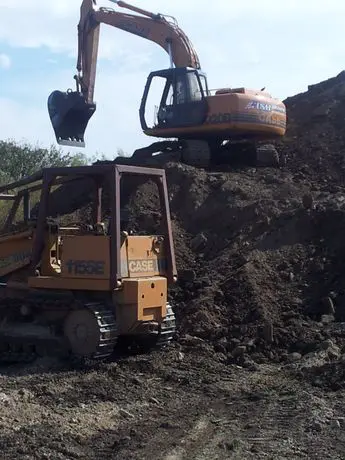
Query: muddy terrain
[[187, 404], [257, 366]]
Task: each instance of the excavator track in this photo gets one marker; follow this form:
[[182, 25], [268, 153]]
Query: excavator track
[[247, 154], [199, 154], [89, 334], [267, 155], [196, 153]]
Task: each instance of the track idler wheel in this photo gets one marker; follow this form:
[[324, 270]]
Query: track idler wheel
[[91, 332], [69, 114]]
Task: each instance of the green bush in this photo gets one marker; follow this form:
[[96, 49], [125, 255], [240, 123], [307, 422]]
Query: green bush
[[18, 160]]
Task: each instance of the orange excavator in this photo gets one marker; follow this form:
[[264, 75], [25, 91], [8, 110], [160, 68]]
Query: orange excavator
[[208, 126]]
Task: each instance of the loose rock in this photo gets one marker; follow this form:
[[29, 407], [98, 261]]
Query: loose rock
[[327, 319], [239, 351], [126, 414]]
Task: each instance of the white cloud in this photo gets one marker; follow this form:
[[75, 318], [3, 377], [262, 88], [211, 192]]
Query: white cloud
[[28, 129], [281, 45], [5, 61]]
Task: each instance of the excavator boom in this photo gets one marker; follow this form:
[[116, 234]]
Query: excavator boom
[[154, 27]]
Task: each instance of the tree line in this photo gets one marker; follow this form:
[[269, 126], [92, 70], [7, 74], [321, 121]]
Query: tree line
[[18, 160]]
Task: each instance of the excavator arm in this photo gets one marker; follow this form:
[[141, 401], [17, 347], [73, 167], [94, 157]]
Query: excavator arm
[[157, 28], [71, 111]]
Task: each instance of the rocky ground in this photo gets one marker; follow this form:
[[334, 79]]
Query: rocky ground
[[257, 367], [186, 403]]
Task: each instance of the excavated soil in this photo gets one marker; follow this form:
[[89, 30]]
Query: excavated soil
[[257, 368]]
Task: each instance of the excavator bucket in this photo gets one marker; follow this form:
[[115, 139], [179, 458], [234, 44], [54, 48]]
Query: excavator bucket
[[69, 114]]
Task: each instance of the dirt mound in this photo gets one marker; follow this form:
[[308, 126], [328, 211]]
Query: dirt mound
[[264, 261], [328, 376], [315, 139]]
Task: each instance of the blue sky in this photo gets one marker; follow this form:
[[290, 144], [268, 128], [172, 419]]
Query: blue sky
[[281, 45]]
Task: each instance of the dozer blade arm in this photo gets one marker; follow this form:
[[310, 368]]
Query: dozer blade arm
[[70, 112]]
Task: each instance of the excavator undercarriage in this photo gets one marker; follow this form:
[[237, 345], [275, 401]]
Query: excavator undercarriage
[[83, 289], [203, 154]]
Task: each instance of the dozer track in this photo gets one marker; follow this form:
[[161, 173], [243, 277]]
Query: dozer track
[[167, 329], [162, 337], [88, 333]]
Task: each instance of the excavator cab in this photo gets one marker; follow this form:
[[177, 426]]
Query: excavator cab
[[69, 114], [183, 100]]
